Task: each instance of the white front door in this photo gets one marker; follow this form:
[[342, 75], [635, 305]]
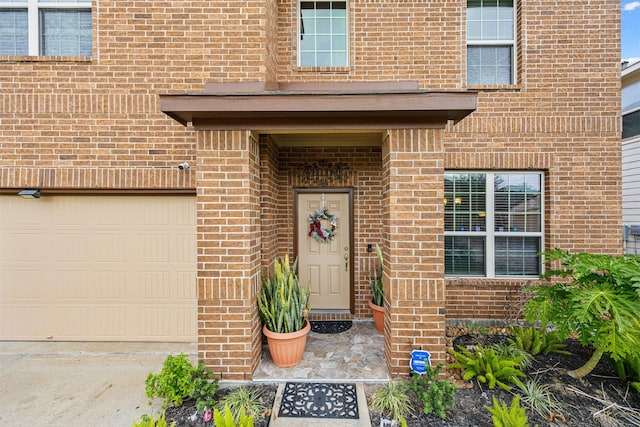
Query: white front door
[[325, 265]]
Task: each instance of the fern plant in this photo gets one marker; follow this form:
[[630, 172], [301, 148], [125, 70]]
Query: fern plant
[[508, 416], [226, 419], [436, 395], [283, 302], [486, 366], [510, 351], [535, 341]]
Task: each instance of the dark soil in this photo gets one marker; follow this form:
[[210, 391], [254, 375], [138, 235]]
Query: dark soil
[[599, 399]]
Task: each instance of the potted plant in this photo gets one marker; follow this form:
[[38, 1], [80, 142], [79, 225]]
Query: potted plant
[[284, 306], [377, 290]]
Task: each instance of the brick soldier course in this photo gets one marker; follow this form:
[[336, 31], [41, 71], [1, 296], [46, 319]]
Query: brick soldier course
[[111, 123]]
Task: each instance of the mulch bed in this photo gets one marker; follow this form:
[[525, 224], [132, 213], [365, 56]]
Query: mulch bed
[[578, 396]]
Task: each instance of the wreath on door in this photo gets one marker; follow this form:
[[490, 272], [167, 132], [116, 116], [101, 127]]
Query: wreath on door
[[316, 228]]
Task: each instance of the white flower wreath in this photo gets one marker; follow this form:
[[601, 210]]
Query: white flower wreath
[[317, 231]]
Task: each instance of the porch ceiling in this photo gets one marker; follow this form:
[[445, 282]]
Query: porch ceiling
[[317, 106]]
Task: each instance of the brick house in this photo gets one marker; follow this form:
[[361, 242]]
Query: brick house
[[463, 137]]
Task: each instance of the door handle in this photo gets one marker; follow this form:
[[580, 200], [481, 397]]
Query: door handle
[[346, 262]]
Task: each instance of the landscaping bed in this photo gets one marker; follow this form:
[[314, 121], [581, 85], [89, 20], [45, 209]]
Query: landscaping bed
[[599, 399]]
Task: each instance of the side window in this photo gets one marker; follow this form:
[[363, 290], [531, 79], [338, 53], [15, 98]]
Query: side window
[[45, 27], [490, 42], [322, 29], [493, 224]]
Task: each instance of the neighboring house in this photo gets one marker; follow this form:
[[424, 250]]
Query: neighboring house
[[463, 137], [631, 157]]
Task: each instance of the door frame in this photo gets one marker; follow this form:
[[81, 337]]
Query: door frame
[[345, 190]]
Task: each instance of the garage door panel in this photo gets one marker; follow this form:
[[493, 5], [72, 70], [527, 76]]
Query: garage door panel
[[98, 268]]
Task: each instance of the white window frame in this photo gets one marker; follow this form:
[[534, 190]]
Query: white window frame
[[511, 42], [33, 17], [490, 233], [299, 30]]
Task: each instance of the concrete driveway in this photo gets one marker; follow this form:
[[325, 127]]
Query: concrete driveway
[[79, 383]]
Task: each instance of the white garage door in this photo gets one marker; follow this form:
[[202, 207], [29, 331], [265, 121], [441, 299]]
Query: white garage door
[[99, 268]]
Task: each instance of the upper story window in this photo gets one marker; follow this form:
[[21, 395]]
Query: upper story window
[[490, 42], [493, 224], [45, 27], [322, 29]]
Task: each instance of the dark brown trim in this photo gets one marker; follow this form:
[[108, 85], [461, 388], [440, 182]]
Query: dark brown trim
[[361, 105], [349, 191], [103, 192]]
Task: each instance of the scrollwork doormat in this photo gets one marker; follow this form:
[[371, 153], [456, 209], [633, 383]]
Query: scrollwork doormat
[[330, 326], [319, 400]]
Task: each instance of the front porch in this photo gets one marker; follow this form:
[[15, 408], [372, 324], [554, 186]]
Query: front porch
[[247, 181]]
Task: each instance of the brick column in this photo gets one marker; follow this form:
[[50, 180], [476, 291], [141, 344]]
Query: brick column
[[228, 214], [413, 169]]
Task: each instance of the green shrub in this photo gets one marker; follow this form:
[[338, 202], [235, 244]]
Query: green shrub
[[436, 395], [597, 298], [505, 416], [486, 366], [535, 341], [392, 399], [227, 420], [180, 380], [150, 421]]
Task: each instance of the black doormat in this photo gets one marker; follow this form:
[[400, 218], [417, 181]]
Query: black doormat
[[319, 400], [330, 326]]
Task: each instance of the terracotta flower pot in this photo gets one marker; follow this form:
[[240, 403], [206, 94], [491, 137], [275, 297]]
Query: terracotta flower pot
[[287, 349], [378, 316]]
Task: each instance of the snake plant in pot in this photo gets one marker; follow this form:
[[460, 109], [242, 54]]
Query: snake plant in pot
[[284, 306], [377, 302]]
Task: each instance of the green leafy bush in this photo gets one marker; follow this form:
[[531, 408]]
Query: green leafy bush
[[535, 341], [392, 399], [510, 351], [180, 380], [597, 298], [486, 366], [283, 302], [508, 416], [227, 419], [436, 395]]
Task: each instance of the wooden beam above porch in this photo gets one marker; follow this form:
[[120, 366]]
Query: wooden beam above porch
[[321, 106]]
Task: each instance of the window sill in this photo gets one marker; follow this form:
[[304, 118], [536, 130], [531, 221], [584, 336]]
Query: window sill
[[27, 58], [495, 88], [323, 70]]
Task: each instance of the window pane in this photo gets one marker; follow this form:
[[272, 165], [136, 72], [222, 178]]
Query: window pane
[[14, 37], [323, 32], [517, 203], [517, 256], [65, 32], [489, 65], [465, 202], [490, 20], [464, 255]]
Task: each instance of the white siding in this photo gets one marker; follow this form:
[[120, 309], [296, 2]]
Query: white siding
[[631, 190]]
